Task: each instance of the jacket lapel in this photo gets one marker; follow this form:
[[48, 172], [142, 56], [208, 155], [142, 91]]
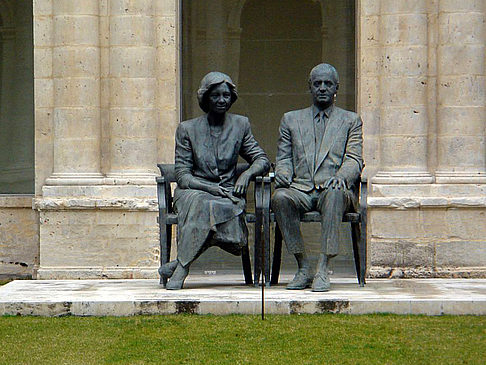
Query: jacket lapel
[[210, 158], [306, 130], [333, 126], [224, 138]]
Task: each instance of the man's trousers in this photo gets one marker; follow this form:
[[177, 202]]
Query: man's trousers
[[290, 204]]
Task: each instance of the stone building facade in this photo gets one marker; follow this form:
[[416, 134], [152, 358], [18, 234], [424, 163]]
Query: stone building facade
[[109, 77]]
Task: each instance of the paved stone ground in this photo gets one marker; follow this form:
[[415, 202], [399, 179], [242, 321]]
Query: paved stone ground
[[227, 294]]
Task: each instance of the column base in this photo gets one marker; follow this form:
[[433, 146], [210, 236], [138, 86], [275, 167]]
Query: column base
[[75, 178], [402, 177], [131, 178], [460, 177]]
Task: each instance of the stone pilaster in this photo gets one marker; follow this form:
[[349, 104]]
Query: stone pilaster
[[132, 111], [76, 75], [461, 93], [403, 102], [167, 71]]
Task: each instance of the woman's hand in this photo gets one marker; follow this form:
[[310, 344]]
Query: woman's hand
[[221, 191], [242, 184], [217, 190]]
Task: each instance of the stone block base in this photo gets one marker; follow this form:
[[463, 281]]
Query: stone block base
[[19, 237], [383, 272], [98, 243], [427, 241]]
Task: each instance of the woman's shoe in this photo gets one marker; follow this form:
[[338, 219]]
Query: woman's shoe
[[167, 270], [177, 280]]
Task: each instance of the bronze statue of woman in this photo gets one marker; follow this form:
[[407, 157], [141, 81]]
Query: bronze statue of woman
[[209, 198]]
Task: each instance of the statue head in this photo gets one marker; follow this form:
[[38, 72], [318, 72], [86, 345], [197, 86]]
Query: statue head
[[216, 82], [323, 85]]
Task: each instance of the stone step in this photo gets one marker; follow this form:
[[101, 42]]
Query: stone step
[[220, 295]]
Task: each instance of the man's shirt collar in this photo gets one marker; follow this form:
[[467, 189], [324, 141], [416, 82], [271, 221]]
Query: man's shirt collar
[[327, 111]]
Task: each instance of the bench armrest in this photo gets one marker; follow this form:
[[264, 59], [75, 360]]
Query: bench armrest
[[162, 193]]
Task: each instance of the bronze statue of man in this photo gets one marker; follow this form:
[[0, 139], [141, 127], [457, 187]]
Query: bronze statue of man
[[319, 163]]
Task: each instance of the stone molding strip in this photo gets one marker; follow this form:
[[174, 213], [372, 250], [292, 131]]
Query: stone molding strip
[[87, 203], [76, 273], [426, 202], [381, 272], [16, 200]]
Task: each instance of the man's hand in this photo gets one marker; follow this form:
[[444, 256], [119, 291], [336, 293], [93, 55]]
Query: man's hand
[[282, 181], [242, 184], [335, 183]]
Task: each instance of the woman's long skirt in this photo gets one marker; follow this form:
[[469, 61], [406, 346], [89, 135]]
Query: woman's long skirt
[[201, 214]]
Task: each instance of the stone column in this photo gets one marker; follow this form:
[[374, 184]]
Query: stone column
[[461, 92], [403, 84], [132, 112], [76, 74]]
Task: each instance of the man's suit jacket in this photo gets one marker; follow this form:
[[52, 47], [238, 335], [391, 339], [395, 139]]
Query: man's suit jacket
[[340, 152], [197, 158]]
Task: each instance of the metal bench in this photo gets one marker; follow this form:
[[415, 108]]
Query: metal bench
[[358, 232], [167, 217]]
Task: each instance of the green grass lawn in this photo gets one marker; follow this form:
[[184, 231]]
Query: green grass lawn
[[3, 282], [295, 339]]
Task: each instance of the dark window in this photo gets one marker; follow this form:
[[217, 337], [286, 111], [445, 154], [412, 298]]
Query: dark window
[[16, 97]]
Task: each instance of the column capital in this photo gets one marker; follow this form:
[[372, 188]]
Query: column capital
[[132, 178]]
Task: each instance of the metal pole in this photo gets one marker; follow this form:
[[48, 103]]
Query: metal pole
[[263, 276]]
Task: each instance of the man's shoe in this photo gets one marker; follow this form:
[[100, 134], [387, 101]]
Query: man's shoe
[[321, 282], [166, 270], [301, 280]]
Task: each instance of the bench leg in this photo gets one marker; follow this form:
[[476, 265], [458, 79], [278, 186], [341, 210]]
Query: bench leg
[[245, 259], [169, 241], [362, 250], [356, 234], [165, 238], [266, 242], [257, 250], [277, 255]]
